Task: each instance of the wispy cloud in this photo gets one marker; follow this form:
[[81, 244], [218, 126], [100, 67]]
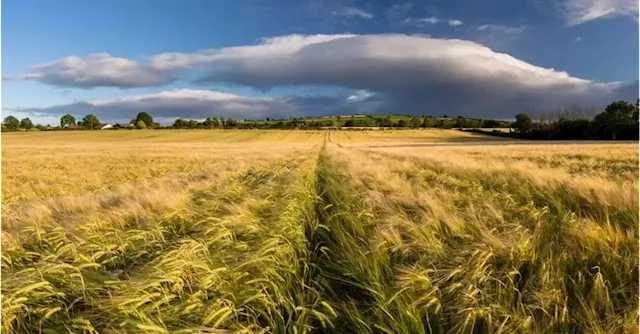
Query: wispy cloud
[[421, 21], [352, 12], [578, 39], [499, 28], [360, 95], [581, 11]]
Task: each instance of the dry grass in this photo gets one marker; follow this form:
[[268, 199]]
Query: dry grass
[[416, 231]]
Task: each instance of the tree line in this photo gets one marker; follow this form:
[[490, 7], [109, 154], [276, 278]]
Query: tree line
[[90, 122], [339, 121], [619, 120], [144, 120]]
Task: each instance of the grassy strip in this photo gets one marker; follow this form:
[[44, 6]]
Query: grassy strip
[[359, 277]]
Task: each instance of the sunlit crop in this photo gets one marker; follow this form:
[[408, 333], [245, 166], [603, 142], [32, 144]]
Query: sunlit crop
[[416, 231]]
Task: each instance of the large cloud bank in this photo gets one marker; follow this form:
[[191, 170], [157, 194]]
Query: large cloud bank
[[403, 74]]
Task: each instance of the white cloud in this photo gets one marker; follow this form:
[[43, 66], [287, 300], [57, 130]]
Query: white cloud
[[273, 47], [578, 39], [99, 69], [432, 20], [353, 12], [581, 11], [421, 21], [360, 95], [462, 76], [415, 74], [185, 103], [499, 28], [344, 55]]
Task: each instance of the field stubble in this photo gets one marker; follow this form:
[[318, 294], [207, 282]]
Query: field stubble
[[302, 231]]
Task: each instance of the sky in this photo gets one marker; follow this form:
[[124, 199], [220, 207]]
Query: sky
[[251, 59]]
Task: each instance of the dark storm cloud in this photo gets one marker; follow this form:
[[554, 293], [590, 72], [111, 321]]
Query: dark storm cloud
[[416, 74]]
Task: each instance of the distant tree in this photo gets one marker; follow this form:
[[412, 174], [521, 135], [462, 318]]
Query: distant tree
[[179, 123], [424, 124], [402, 123], [619, 119], [368, 122], [11, 123], [146, 118], [67, 119], [636, 113], [26, 124], [141, 124], [490, 123], [415, 122], [90, 121], [385, 122], [192, 124], [523, 123], [334, 122], [222, 121], [208, 122], [302, 124]]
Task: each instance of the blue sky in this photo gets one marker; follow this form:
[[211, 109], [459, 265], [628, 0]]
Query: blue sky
[[592, 40]]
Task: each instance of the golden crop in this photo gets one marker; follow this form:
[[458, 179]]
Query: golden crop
[[416, 231]]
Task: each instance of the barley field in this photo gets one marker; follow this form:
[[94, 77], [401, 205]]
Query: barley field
[[421, 231]]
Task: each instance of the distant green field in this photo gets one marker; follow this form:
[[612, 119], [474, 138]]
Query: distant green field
[[342, 119], [397, 117], [393, 118]]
